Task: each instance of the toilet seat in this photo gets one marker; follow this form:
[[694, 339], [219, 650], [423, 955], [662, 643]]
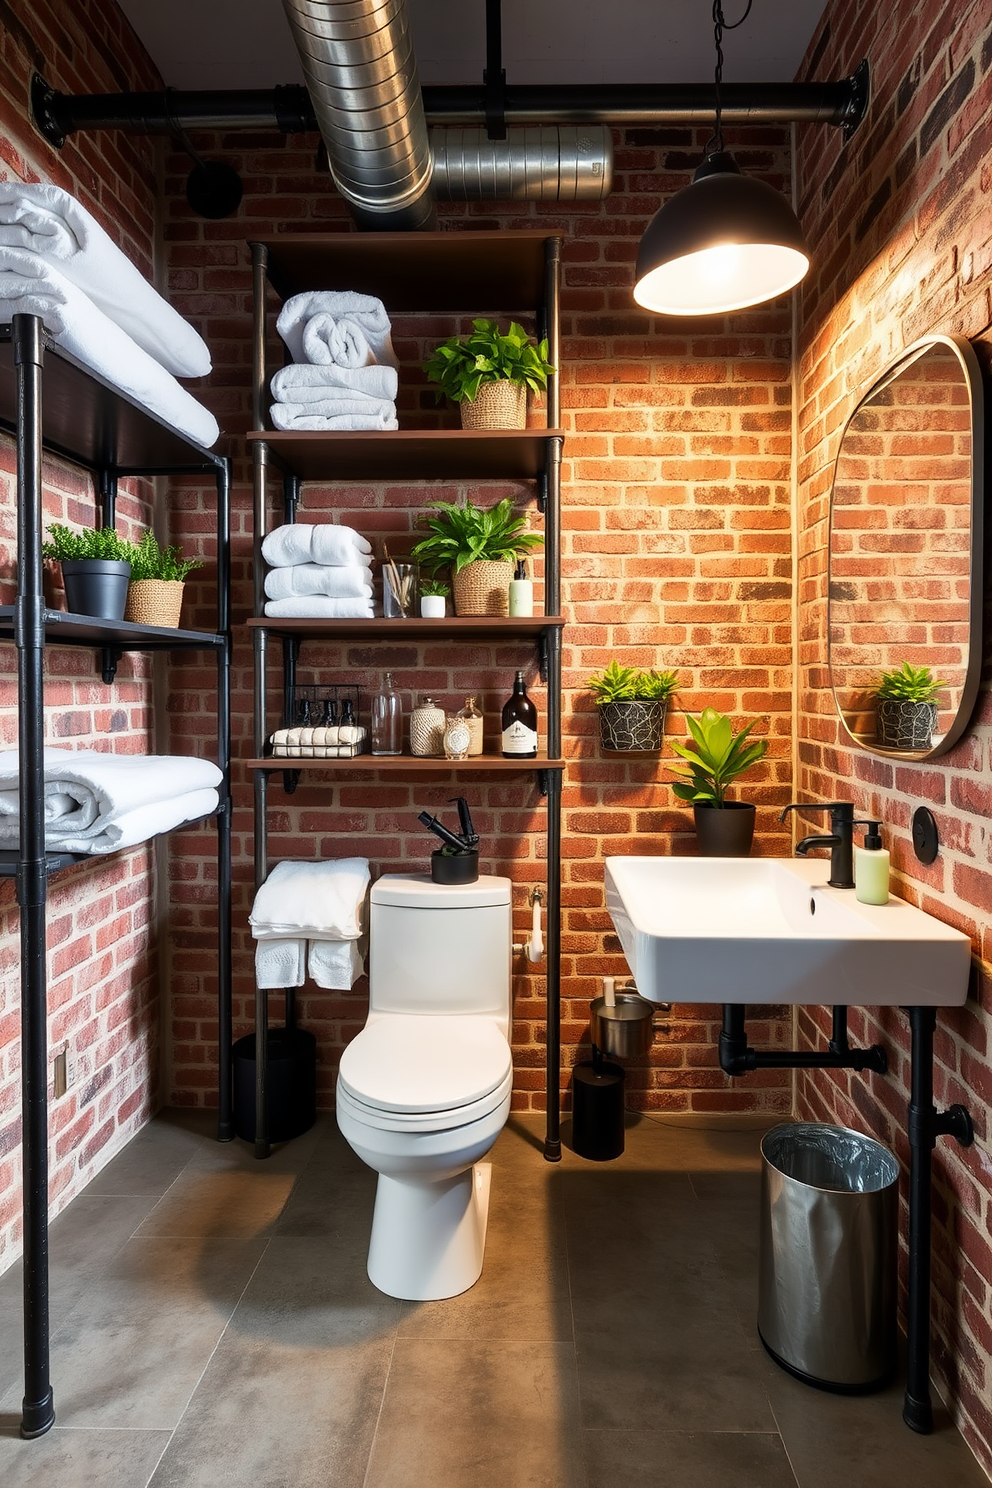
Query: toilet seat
[[414, 1072], [451, 1120]]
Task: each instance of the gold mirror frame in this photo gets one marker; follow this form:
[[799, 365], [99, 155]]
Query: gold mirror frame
[[964, 354]]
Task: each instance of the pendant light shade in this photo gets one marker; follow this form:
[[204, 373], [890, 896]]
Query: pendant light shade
[[724, 242]]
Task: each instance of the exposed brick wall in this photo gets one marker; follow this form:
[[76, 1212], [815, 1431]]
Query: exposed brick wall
[[676, 554], [901, 224], [103, 979]]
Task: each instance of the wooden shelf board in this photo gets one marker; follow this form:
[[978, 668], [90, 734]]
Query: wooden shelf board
[[405, 764], [411, 454], [494, 628]]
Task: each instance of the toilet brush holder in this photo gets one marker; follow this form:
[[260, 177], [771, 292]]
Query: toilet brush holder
[[292, 1084], [454, 868], [597, 1110]]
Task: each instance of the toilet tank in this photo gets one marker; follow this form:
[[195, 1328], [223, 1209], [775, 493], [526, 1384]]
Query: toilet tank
[[439, 948]]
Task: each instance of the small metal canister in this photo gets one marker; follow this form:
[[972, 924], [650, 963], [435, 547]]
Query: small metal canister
[[626, 1030]]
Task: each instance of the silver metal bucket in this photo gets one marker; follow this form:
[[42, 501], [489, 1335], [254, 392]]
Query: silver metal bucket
[[827, 1282], [624, 1031]]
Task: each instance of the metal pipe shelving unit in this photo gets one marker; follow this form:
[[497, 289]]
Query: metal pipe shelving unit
[[449, 272], [50, 401]]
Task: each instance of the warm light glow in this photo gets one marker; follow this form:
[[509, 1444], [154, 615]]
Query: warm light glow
[[729, 276]]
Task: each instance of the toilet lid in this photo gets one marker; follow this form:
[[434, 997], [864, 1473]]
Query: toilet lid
[[424, 1062]]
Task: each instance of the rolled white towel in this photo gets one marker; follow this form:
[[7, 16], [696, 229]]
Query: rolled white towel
[[48, 221], [334, 965], [29, 285], [280, 963], [330, 543], [342, 422], [351, 582], [319, 607], [324, 898], [342, 342], [366, 313], [306, 384]]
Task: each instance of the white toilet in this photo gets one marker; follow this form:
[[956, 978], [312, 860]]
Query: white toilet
[[424, 1090]]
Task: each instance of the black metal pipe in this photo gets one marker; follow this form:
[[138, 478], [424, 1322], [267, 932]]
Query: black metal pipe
[[738, 1058], [552, 1139], [917, 1410], [38, 1407], [225, 1021], [288, 109]]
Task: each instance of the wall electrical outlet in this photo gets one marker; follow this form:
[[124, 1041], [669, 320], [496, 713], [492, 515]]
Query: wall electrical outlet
[[61, 1072]]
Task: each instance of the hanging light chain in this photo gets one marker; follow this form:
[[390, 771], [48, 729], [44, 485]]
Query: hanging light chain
[[719, 26]]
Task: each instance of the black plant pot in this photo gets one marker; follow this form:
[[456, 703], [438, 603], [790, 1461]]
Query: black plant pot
[[903, 724], [96, 586], [454, 868], [633, 726], [724, 831]]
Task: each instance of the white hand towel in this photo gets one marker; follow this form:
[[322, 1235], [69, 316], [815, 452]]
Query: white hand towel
[[319, 607], [31, 286], [48, 221], [366, 313], [280, 963], [304, 384], [329, 543], [341, 422], [85, 789], [342, 342], [337, 401], [308, 897], [125, 830], [334, 965], [352, 582]]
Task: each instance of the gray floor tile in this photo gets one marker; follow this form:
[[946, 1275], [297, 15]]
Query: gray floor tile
[[79, 1459], [457, 1415], [650, 1459], [151, 1161], [216, 1203]]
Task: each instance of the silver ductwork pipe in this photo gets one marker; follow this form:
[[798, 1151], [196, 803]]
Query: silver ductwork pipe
[[361, 73], [553, 163]]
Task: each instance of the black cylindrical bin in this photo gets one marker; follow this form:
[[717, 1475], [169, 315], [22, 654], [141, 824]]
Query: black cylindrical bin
[[597, 1111], [292, 1084]]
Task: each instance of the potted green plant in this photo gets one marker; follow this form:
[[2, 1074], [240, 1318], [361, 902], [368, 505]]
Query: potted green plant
[[631, 704], [714, 759], [905, 707], [96, 568], [488, 372], [478, 545], [433, 594], [158, 575]]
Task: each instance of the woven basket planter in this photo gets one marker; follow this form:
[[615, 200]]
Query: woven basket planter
[[631, 726], [483, 588], [497, 405], [902, 724], [155, 602]]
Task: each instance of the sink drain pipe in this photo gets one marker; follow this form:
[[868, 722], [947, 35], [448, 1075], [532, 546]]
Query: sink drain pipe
[[737, 1057]]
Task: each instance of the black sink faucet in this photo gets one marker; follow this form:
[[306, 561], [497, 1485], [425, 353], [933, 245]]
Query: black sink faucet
[[840, 840]]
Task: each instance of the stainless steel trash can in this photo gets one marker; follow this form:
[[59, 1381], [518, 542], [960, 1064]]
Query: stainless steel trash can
[[827, 1281]]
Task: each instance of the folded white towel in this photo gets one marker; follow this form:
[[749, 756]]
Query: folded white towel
[[334, 965], [47, 220], [337, 401], [319, 607], [319, 313], [342, 422], [305, 384], [85, 788], [31, 286], [318, 899], [126, 829], [329, 543], [351, 582], [280, 963]]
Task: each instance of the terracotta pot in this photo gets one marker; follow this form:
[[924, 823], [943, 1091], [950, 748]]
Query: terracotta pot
[[482, 588], [633, 725], [155, 602], [497, 405], [724, 831]]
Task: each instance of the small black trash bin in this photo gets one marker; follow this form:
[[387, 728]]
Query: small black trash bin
[[597, 1110], [292, 1084]]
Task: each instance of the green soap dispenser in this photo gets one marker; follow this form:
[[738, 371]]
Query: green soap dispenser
[[871, 867]]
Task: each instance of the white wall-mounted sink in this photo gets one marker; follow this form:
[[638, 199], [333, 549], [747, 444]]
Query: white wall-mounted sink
[[770, 930]]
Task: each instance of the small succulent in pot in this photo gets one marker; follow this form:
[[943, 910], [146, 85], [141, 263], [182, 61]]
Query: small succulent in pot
[[96, 568], [631, 704], [714, 759], [433, 594], [478, 545], [158, 575], [488, 373], [906, 708]]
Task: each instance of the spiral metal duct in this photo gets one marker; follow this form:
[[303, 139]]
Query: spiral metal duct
[[564, 162], [361, 73]]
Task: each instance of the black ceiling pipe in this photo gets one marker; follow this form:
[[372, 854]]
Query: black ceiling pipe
[[288, 108]]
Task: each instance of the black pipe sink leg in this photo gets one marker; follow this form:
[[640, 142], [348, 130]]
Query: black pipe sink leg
[[37, 1416]]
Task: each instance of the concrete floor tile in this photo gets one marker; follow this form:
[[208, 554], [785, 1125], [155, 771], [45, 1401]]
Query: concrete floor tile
[[217, 1204], [79, 1459], [151, 1161], [648, 1459], [457, 1415]]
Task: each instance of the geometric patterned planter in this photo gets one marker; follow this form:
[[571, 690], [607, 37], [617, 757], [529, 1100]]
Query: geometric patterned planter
[[633, 727], [903, 724]]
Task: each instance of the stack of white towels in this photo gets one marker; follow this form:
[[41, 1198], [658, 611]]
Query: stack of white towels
[[344, 373], [56, 261], [317, 904], [318, 571]]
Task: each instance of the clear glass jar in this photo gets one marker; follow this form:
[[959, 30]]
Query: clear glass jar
[[457, 737], [473, 717], [387, 719]]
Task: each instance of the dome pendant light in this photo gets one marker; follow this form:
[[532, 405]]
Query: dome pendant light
[[725, 242]]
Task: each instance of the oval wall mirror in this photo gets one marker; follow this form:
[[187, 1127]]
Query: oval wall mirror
[[905, 554]]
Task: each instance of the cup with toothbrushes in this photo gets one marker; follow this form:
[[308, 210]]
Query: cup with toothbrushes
[[400, 590]]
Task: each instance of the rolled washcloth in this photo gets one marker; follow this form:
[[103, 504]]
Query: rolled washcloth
[[99, 803], [314, 900], [307, 417], [328, 543], [351, 582], [280, 963], [334, 965], [319, 607], [338, 327], [305, 384], [48, 221], [31, 286]]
